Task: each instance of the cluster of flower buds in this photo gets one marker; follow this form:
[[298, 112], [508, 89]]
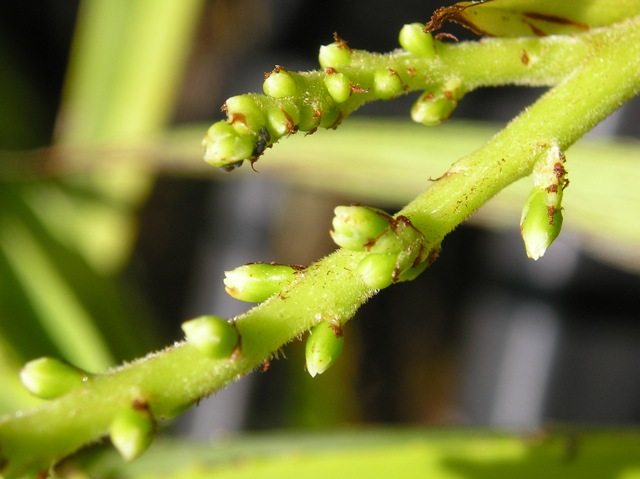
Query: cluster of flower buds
[[541, 219], [323, 347], [306, 101], [397, 250]]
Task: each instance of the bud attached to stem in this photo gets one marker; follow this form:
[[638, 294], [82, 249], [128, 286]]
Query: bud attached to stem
[[255, 282], [323, 347], [541, 219], [50, 378], [215, 337], [415, 40], [356, 227], [280, 83], [131, 431], [335, 55]]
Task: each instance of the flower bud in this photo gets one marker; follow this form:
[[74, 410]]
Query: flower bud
[[338, 86], [310, 117], [356, 227], [415, 40], [433, 108], [243, 112], [279, 83], [541, 222], [215, 337], [377, 270], [283, 121], [335, 55], [255, 282], [323, 347], [224, 146], [387, 84], [50, 378], [131, 432]]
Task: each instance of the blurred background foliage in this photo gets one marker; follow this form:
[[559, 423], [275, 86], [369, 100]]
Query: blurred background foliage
[[113, 231]]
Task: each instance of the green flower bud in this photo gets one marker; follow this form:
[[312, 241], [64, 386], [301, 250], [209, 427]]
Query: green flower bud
[[541, 221], [377, 270], [283, 121], [310, 117], [387, 84], [131, 432], [215, 337], [224, 146], [323, 347], [243, 112], [50, 378], [255, 282], [432, 108], [280, 83], [335, 55], [415, 40], [338, 86], [357, 227]]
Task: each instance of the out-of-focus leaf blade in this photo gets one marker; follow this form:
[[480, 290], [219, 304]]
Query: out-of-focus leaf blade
[[515, 18]]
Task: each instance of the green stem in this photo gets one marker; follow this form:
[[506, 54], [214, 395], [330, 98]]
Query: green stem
[[330, 289]]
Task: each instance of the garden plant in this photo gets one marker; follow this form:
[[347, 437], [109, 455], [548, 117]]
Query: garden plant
[[588, 55]]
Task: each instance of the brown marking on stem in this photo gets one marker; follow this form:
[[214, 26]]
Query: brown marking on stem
[[355, 88], [442, 35], [551, 211], [341, 42], [525, 57], [238, 118], [336, 123], [330, 70], [291, 126], [411, 71], [336, 327], [552, 188], [140, 405], [265, 365]]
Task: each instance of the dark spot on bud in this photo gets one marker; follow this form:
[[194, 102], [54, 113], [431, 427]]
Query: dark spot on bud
[[262, 143], [525, 57]]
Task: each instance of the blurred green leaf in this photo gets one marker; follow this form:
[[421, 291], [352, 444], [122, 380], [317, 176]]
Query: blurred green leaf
[[514, 18]]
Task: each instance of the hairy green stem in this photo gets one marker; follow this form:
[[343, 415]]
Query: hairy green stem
[[330, 289]]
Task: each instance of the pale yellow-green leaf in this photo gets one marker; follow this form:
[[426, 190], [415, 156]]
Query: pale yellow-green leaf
[[514, 18]]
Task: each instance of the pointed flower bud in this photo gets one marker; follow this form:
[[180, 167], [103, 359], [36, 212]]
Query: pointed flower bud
[[356, 227], [283, 121], [215, 337], [50, 378], [338, 86], [415, 40], [131, 431], [323, 347], [541, 222], [387, 84], [280, 83], [433, 108], [378, 270], [255, 282], [224, 146]]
